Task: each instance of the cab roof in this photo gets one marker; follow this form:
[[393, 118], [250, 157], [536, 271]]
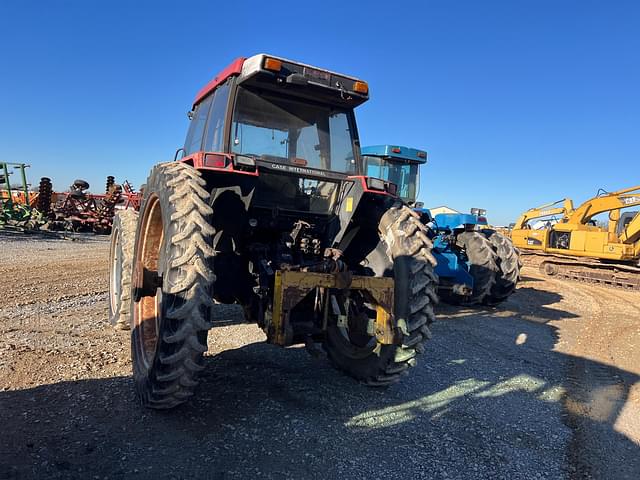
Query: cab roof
[[247, 68], [233, 69], [396, 152]]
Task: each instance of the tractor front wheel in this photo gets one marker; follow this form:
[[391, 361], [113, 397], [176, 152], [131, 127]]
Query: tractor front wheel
[[172, 286], [123, 235]]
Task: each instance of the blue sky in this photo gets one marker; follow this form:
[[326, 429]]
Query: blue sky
[[517, 102]]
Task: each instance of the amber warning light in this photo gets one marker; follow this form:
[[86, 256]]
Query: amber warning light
[[361, 87], [272, 64]]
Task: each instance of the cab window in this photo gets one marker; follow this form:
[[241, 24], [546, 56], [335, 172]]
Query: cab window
[[193, 143], [214, 138]]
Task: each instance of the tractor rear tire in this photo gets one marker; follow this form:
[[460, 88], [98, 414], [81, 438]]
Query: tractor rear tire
[[483, 266], [508, 264], [123, 236], [408, 249], [172, 286]]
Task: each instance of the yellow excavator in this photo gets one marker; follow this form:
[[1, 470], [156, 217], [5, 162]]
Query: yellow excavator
[[577, 248], [523, 234]]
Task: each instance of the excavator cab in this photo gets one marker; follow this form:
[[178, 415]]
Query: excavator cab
[[625, 220]]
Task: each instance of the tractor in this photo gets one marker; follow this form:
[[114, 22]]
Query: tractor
[[268, 206], [475, 263]]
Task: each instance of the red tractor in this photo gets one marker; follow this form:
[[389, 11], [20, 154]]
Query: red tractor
[[268, 206]]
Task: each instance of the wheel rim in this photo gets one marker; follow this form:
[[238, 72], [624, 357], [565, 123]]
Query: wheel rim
[[147, 313], [115, 272], [351, 339]]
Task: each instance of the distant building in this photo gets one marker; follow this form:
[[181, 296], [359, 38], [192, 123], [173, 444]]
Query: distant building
[[442, 209]]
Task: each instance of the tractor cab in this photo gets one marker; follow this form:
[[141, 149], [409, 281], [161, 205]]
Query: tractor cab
[[397, 165], [289, 126]]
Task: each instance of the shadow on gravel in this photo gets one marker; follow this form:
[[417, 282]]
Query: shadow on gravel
[[486, 401], [593, 394], [532, 304]]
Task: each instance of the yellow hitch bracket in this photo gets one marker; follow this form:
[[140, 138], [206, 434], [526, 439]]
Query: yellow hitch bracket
[[384, 326], [290, 287]]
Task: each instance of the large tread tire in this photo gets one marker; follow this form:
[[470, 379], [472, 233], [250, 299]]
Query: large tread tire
[[408, 248], [123, 236], [166, 374], [483, 265], [508, 267]]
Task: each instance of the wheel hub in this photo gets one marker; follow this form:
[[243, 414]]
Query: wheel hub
[[145, 282]]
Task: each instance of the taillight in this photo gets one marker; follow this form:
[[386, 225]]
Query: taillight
[[215, 160]]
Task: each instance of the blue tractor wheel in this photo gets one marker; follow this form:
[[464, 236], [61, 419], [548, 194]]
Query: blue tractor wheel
[[509, 264], [483, 265]]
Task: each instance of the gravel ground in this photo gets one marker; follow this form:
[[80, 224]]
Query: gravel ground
[[537, 388]]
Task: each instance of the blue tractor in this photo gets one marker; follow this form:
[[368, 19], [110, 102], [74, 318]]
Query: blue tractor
[[476, 264]]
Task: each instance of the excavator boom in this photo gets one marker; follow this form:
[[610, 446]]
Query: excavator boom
[[605, 203], [524, 237], [546, 210]]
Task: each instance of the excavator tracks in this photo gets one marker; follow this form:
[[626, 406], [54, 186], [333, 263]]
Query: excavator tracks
[[612, 275]]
